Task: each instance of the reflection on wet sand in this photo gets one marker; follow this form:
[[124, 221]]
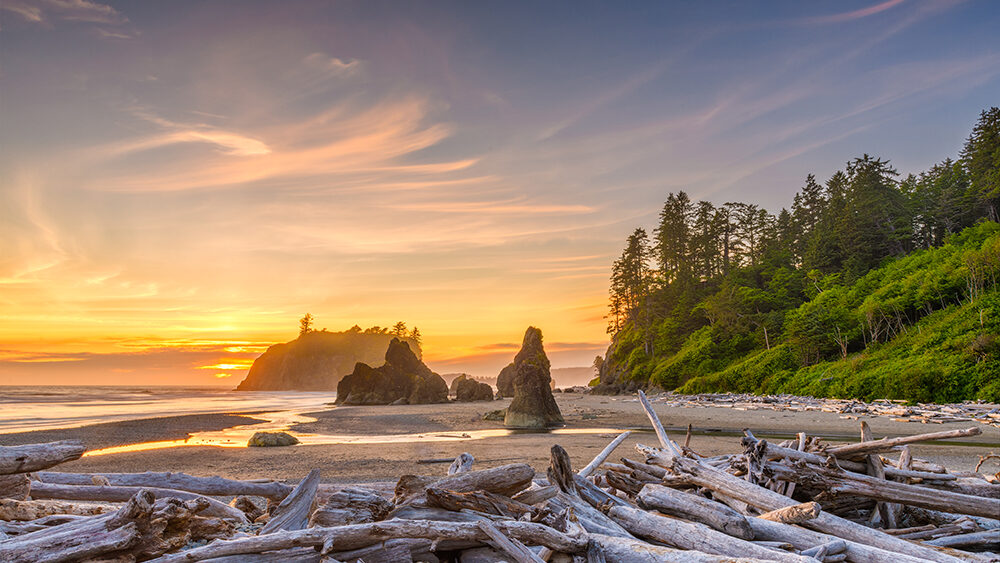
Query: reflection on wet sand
[[282, 421]]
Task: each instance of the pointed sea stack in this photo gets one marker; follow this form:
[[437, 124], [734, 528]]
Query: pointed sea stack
[[533, 405], [403, 378]]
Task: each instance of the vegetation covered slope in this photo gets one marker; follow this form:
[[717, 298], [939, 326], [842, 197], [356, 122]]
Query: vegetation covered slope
[[869, 287]]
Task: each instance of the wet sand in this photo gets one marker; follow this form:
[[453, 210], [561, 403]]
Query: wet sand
[[591, 421]]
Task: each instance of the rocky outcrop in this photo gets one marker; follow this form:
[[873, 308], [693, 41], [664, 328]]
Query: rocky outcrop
[[468, 390], [402, 378], [316, 361], [533, 405], [271, 439], [505, 381]]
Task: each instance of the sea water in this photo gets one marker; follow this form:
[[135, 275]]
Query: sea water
[[26, 408]]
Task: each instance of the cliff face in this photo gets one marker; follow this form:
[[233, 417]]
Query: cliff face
[[316, 361]]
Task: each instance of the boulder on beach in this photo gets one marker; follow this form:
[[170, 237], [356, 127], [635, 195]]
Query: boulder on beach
[[272, 439], [403, 379], [533, 405], [505, 381], [468, 390]]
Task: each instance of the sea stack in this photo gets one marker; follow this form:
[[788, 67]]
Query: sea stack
[[467, 390], [403, 379], [533, 405]]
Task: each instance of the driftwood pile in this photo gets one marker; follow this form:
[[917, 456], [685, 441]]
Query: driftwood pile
[[970, 411], [794, 502]]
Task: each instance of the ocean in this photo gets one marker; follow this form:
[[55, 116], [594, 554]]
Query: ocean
[[26, 408]]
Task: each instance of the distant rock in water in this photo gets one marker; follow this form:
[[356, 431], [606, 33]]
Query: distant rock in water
[[316, 361], [533, 405], [468, 390], [403, 377], [272, 439]]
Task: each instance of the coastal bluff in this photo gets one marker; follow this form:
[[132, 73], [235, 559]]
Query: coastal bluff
[[317, 360]]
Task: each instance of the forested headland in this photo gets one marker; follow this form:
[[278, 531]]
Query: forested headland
[[871, 285]]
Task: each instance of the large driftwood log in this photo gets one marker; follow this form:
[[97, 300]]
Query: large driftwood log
[[767, 500], [212, 486], [773, 451], [661, 433], [859, 450], [560, 472], [505, 480], [33, 457], [536, 495], [987, 539], [626, 550], [697, 509], [123, 494], [480, 501], [599, 458], [884, 511], [592, 520], [16, 486], [26, 510], [362, 535], [510, 546], [141, 529], [351, 506], [845, 483], [804, 539], [293, 512], [692, 536]]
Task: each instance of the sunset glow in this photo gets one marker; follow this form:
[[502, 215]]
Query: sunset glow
[[178, 188]]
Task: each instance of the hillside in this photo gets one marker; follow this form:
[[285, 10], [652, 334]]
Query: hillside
[[869, 287], [950, 353], [317, 360]]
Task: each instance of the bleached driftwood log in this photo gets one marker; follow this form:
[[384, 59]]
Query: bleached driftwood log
[[986, 539], [884, 511], [24, 510], [461, 464], [625, 550], [860, 449], [774, 451], [697, 509], [362, 535], [123, 494], [767, 500], [140, 529], [293, 512], [480, 501], [804, 539], [847, 483], [599, 458], [592, 520], [16, 486], [693, 536], [505, 480], [511, 547], [33, 457], [795, 514], [212, 486], [351, 506]]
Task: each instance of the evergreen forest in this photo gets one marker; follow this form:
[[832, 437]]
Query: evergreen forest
[[872, 285]]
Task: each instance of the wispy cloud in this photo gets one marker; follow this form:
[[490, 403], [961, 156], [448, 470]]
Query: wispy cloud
[[852, 15], [41, 11]]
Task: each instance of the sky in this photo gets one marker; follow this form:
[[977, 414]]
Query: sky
[[181, 181]]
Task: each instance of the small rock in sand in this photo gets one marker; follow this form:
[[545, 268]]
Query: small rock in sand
[[269, 439]]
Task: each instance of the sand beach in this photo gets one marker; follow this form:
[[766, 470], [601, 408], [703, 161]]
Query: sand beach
[[373, 443]]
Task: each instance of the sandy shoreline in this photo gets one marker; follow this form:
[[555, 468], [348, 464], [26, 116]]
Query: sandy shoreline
[[591, 421]]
